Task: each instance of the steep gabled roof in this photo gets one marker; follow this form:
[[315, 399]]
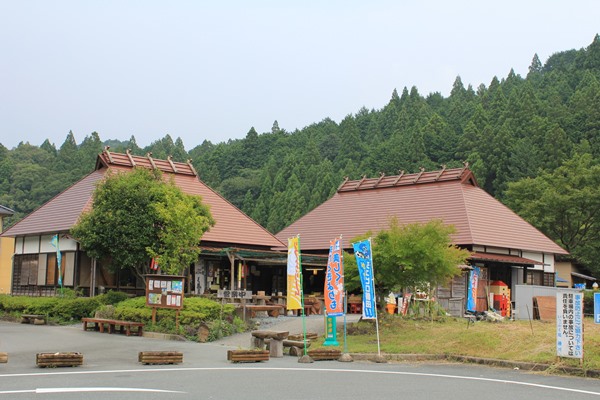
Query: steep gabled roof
[[450, 195], [59, 214]]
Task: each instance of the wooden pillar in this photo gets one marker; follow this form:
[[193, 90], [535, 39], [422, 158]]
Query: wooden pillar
[[232, 266], [93, 278]]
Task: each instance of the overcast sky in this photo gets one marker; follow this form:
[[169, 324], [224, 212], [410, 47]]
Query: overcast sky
[[211, 70]]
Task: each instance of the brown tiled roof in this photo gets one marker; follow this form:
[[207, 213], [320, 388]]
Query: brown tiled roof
[[503, 258], [448, 195], [232, 226]]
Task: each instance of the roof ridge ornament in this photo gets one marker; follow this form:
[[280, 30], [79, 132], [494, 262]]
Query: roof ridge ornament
[[108, 154], [131, 160], [343, 183], [149, 156], [401, 171], [422, 170], [170, 160], [189, 163], [439, 175], [464, 168], [381, 176], [364, 178]]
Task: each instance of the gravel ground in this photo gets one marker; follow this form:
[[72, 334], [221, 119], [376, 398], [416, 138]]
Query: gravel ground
[[314, 323]]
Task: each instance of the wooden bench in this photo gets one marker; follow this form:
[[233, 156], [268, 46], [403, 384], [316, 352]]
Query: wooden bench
[[276, 342], [98, 324], [36, 319], [296, 347], [273, 309], [160, 357]]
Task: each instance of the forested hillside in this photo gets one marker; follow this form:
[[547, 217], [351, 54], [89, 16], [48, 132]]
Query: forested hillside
[[513, 128]]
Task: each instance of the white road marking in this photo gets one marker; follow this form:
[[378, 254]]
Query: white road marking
[[163, 370], [87, 389]]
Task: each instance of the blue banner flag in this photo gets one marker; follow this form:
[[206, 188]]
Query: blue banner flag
[[362, 252], [54, 243], [472, 289]]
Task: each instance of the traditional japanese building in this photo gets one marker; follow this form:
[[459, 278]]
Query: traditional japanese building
[[502, 244], [6, 251], [237, 251]]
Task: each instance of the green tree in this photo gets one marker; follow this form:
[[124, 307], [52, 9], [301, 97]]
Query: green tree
[[137, 216], [565, 205], [410, 256]]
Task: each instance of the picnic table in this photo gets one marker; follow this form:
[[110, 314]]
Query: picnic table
[[276, 341], [99, 324]]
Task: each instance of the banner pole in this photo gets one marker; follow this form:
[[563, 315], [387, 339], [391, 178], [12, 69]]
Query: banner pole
[[375, 300], [345, 331]]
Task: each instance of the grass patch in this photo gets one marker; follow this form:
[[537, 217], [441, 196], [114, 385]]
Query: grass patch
[[509, 340]]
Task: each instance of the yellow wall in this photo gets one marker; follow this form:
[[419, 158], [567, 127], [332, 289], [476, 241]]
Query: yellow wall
[[564, 269], [7, 247]]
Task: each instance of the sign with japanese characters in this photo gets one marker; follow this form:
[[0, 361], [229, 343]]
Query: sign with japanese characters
[[569, 324], [234, 294], [164, 291]]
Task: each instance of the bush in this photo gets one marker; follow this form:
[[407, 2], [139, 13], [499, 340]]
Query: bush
[[114, 297], [58, 309], [196, 311], [67, 308]]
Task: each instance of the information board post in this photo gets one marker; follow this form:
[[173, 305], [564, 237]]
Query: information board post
[[165, 291], [569, 324]]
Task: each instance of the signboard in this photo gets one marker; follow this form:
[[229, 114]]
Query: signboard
[[164, 291], [234, 294], [597, 308], [569, 324]]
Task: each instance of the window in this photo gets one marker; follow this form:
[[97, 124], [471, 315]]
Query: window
[[534, 278], [26, 269], [548, 279], [52, 270]]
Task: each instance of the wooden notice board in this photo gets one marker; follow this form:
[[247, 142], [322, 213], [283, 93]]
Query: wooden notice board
[[164, 291]]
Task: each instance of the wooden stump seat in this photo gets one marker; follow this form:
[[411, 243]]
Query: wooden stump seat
[[36, 319], [324, 354], [253, 355], [160, 357], [43, 360]]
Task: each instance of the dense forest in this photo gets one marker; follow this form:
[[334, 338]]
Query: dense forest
[[514, 128]]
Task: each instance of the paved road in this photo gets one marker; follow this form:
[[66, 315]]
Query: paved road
[[111, 371]]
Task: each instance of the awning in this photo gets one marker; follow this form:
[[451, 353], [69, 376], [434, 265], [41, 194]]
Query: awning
[[582, 276], [264, 256], [503, 258], [559, 279]]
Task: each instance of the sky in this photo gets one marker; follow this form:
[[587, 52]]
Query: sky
[[211, 70]]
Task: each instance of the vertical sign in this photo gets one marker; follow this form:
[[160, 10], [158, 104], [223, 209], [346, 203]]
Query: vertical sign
[[334, 280], [597, 308], [294, 291], [364, 260], [569, 324]]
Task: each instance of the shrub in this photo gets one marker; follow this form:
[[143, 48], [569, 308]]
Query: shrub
[[196, 311], [114, 297]]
